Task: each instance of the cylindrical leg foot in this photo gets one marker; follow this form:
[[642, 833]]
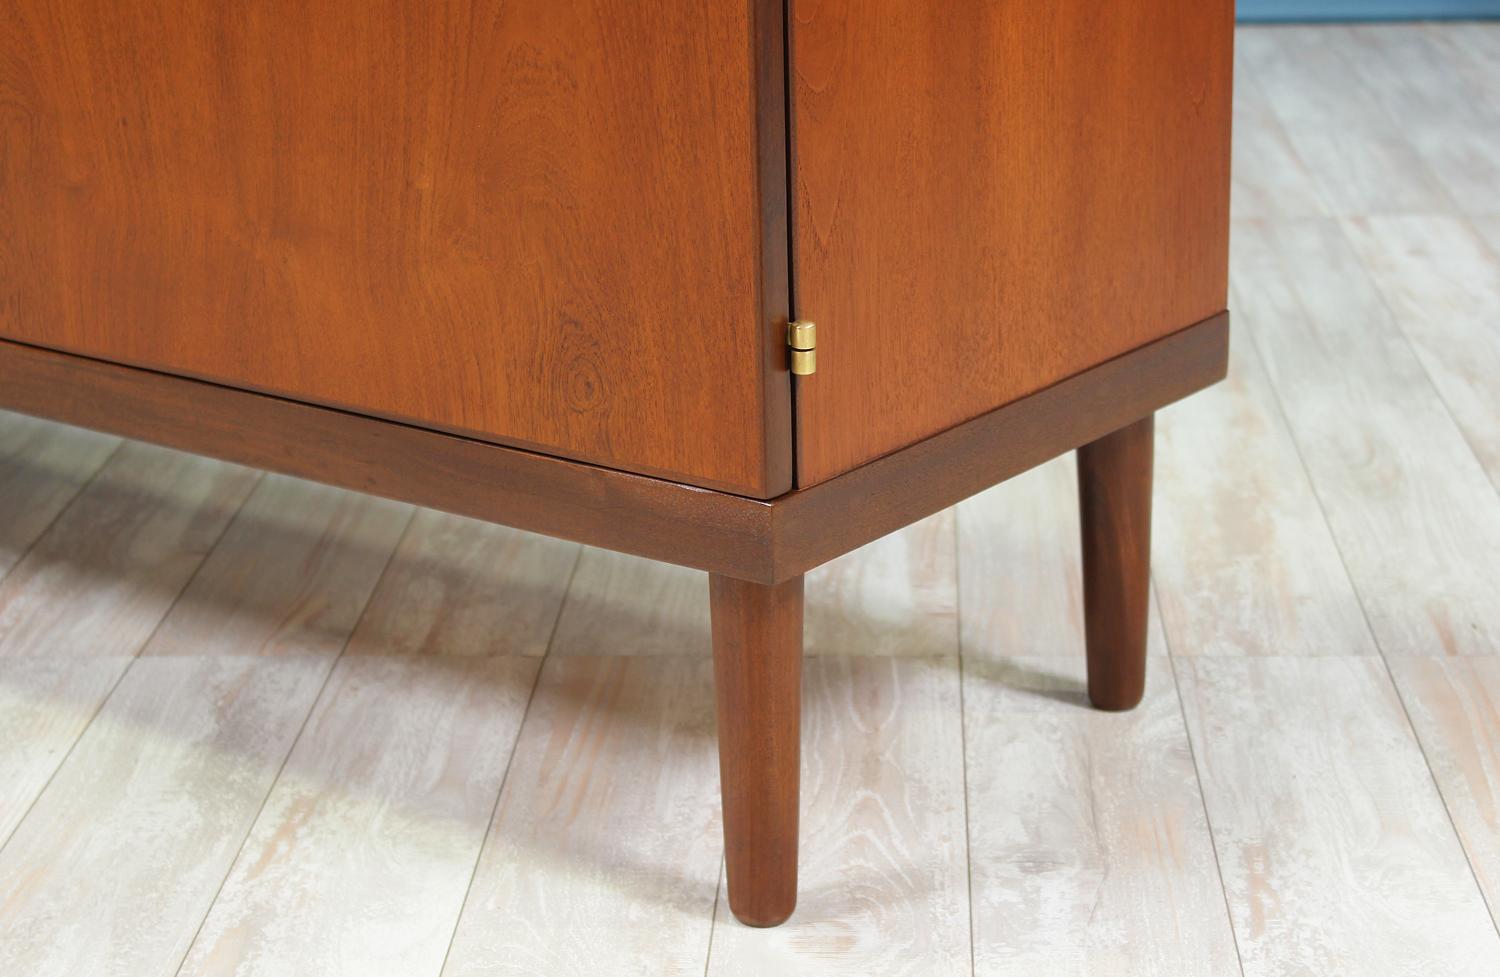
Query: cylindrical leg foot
[[757, 636], [1114, 493]]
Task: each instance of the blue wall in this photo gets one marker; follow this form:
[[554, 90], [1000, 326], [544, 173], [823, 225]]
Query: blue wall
[[1365, 9]]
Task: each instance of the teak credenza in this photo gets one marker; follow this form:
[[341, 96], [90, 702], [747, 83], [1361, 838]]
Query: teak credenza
[[739, 286]]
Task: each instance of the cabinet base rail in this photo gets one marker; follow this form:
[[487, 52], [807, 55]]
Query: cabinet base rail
[[755, 550]]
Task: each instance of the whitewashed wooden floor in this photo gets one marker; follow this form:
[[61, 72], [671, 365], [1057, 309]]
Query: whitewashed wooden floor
[[251, 725]]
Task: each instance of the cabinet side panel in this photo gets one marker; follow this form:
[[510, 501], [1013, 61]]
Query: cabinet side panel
[[537, 222], [990, 197]]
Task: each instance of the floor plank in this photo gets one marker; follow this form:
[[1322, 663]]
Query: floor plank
[[1089, 849], [101, 578], [45, 705], [1020, 577], [385, 798], [43, 466], [1243, 560], [94, 586], [1411, 508], [1359, 155], [605, 847], [288, 577], [895, 596], [1445, 108], [457, 586], [116, 864], [1360, 388], [1489, 229], [1443, 285], [1474, 52], [1455, 706], [1337, 854], [291, 575], [1020, 566], [1477, 43], [884, 887], [625, 605], [1268, 178]]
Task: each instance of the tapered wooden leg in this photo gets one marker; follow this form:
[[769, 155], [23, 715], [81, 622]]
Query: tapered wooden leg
[[757, 634], [1114, 494]]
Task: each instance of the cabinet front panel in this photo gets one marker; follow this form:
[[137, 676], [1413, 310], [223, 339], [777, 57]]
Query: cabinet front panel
[[992, 196], [536, 221]]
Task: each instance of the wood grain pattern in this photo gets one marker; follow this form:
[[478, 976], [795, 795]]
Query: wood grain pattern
[[179, 760], [105, 574], [42, 468], [524, 222], [757, 638], [1269, 179], [1114, 505], [1474, 50], [1336, 852], [605, 847], [1089, 850], [387, 793], [646, 516], [1489, 229], [1441, 101], [1483, 42], [1008, 614], [45, 705], [290, 576], [624, 605], [156, 797], [1443, 286], [1244, 561], [1479, 43], [815, 525], [460, 587], [895, 596], [1390, 467], [989, 198], [761, 541], [1358, 153], [884, 885], [1020, 578], [1454, 705], [1327, 826], [1020, 568]]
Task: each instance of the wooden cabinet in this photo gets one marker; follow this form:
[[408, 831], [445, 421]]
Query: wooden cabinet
[[534, 261], [545, 224], [991, 195]]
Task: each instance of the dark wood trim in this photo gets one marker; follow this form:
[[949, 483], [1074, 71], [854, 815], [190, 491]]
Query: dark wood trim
[[636, 514], [749, 539], [817, 524], [769, 58]]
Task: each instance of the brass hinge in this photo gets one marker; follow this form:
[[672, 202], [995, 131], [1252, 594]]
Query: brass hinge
[[802, 337]]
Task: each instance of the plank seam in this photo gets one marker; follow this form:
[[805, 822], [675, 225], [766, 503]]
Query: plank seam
[[510, 760], [1359, 598], [292, 747]]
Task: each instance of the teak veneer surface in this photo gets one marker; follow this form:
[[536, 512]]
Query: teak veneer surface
[[557, 225], [989, 197]]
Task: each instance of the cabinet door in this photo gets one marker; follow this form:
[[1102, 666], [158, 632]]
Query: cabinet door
[[992, 195], [541, 222]]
